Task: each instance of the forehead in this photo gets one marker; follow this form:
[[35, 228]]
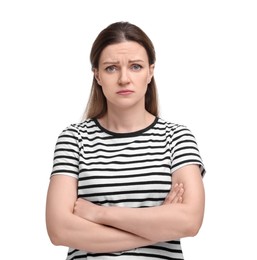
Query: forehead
[[129, 49]]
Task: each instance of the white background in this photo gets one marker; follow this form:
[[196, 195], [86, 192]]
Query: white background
[[206, 72]]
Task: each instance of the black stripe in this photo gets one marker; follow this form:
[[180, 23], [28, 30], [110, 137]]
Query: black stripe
[[186, 154], [96, 194], [123, 184], [125, 162], [123, 176], [192, 161], [66, 150], [124, 169]]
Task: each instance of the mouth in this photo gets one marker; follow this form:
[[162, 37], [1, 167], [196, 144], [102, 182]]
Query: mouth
[[125, 92]]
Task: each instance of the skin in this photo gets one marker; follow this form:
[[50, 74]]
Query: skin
[[124, 73]]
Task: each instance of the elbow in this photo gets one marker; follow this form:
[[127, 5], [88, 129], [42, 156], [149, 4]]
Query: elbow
[[54, 241], [54, 238], [193, 227], [54, 234], [193, 219], [57, 230], [193, 230]]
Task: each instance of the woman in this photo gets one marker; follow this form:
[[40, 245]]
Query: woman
[[125, 183]]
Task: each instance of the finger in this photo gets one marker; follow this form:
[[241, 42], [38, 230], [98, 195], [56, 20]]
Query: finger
[[176, 199], [177, 191], [179, 197], [172, 195]]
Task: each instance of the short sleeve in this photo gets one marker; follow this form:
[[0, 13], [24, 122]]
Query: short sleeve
[[184, 150], [66, 154]]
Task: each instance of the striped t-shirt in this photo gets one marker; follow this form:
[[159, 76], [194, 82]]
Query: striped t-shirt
[[126, 170]]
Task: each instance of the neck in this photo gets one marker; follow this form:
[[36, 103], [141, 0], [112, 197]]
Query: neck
[[126, 121]]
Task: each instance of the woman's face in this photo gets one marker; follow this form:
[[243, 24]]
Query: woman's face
[[124, 73]]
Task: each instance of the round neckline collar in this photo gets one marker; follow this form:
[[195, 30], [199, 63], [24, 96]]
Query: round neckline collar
[[128, 134]]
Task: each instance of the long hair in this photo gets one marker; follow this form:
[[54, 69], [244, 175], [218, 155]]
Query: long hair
[[116, 33]]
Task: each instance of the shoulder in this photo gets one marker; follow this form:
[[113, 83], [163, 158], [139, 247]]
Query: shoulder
[[173, 129], [177, 134], [78, 128], [75, 132]]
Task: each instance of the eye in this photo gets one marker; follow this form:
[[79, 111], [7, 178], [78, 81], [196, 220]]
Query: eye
[[111, 69], [136, 67]]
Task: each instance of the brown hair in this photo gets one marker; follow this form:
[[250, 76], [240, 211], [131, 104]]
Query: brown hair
[[113, 34]]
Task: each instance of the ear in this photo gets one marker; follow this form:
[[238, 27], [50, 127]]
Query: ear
[[96, 74], [151, 73]]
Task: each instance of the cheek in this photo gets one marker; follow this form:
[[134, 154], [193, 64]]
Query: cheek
[[140, 79], [107, 81]]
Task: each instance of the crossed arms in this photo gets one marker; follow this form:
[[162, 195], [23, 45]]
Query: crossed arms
[[80, 224]]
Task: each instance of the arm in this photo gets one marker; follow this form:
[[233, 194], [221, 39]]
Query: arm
[[161, 223], [65, 228]]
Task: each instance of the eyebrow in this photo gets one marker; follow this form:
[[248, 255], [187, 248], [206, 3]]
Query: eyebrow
[[117, 62]]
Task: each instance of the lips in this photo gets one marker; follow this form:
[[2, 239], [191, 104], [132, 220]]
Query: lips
[[125, 92]]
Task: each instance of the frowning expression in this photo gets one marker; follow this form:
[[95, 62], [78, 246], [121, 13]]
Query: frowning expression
[[124, 73]]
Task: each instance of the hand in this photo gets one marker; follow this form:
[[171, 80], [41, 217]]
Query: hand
[[86, 209], [175, 194]]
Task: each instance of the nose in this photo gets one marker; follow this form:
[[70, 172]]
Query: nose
[[123, 77]]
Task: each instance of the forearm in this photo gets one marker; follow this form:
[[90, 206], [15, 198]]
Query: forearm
[[152, 223], [68, 229], [82, 234], [163, 223]]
